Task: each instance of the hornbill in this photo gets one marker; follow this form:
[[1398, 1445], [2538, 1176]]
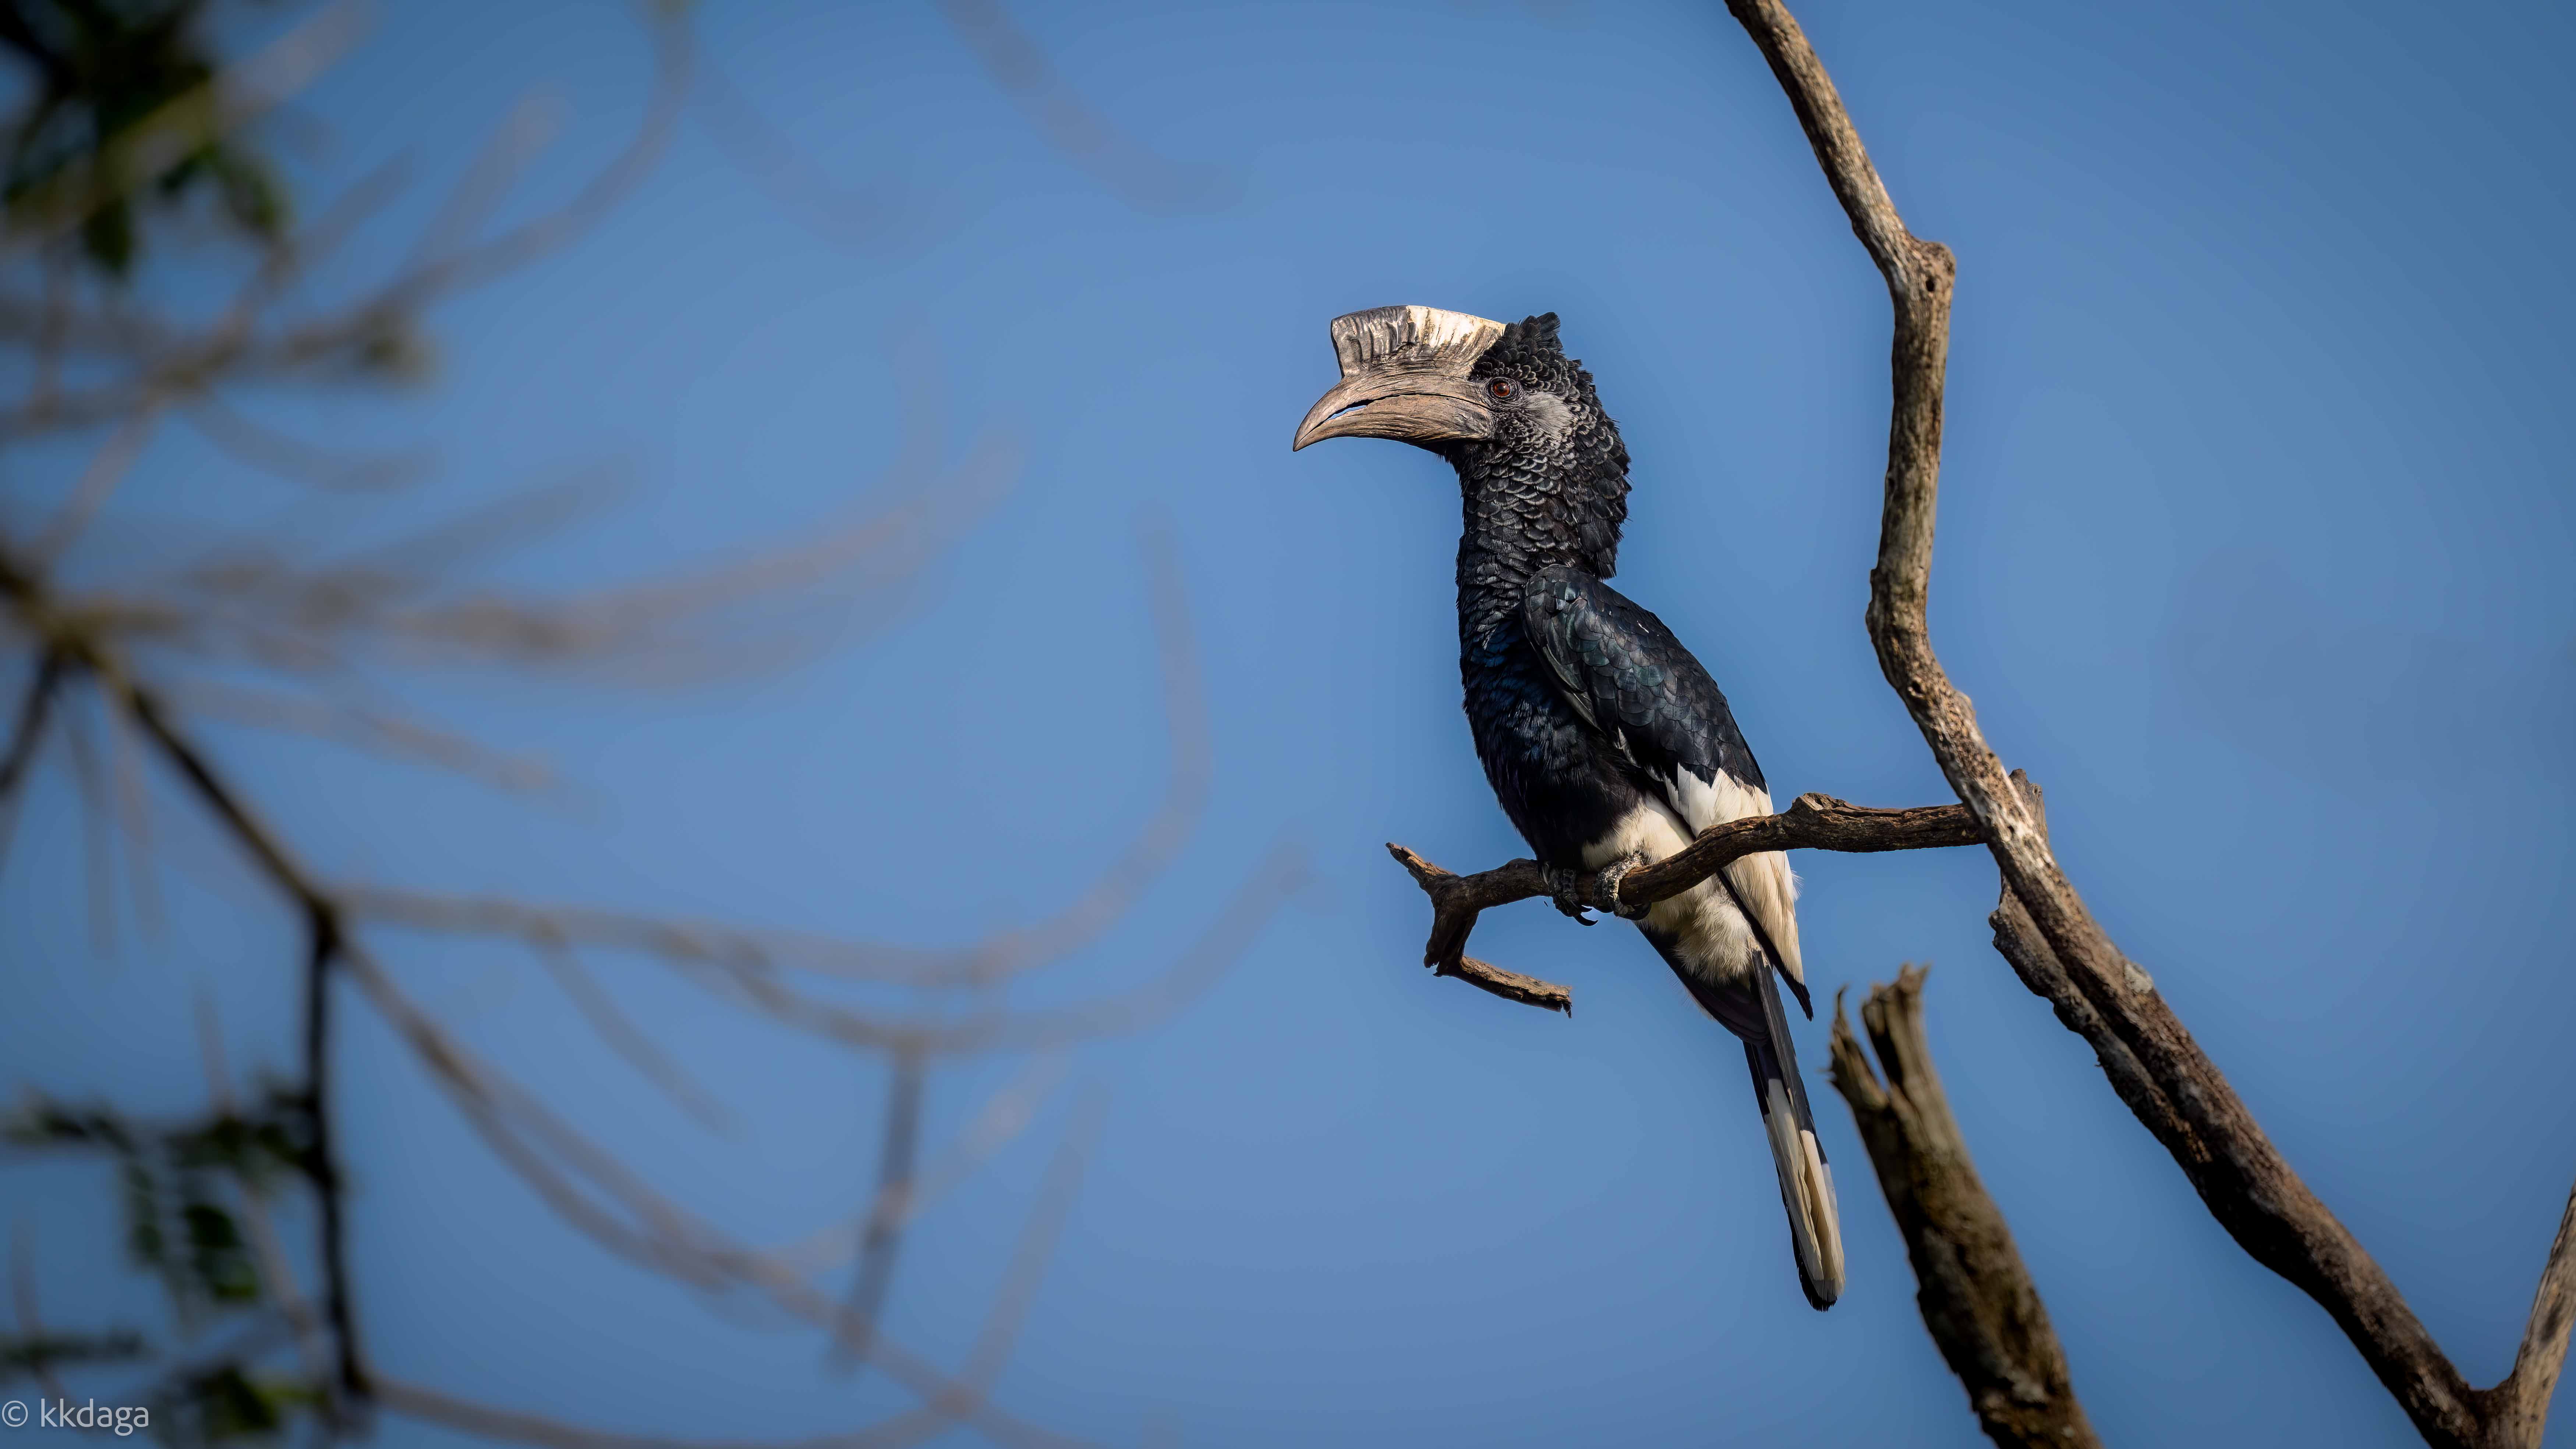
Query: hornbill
[[1607, 743]]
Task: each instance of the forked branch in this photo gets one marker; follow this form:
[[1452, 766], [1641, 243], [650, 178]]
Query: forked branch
[[2160, 1071], [1812, 822]]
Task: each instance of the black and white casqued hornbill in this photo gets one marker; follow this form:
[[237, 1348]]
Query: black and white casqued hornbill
[[1607, 743]]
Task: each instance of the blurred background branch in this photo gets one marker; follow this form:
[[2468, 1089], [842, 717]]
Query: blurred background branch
[[137, 154]]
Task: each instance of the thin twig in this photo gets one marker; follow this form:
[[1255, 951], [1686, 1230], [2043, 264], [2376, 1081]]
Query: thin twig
[[519, 1427], [628, 1040], [98, 833], [847, 216], [889, 1206], [276, 1273], [107, 469], [35, 710], [260, 446], [1087, 138], [180, 368], [372, 730], [22, 1294], [322, 946], [669, 1238], [1280, 875], [323, 931], [133, 805], [1056, 1194], [1005, 1115]]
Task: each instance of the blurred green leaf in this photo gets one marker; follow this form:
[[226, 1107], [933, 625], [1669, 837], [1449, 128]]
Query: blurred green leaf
[[217, 1257], [227, 1403], [43, 1122], [101, 72], [178, 1226], [29, 1355]]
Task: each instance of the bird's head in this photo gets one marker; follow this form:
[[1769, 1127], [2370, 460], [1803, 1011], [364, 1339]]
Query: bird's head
[[1445, 380], [1502, 403]]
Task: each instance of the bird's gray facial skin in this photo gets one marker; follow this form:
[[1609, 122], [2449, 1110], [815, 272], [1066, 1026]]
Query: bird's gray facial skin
[[1405, 376]]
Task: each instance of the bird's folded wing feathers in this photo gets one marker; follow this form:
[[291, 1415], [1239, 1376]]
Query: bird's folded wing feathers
[[1630, 679]]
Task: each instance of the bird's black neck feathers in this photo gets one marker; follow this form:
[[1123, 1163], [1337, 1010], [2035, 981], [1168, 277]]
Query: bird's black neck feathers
[[1550, 487]]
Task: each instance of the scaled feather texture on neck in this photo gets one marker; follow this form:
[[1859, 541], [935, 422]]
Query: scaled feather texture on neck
[[1550, 487]]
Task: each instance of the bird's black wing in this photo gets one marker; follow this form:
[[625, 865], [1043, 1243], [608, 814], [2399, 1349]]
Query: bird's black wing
[[1633, 681]]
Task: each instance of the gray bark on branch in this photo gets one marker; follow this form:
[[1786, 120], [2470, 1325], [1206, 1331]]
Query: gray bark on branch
[[2160, 1071], [1812, 822], [1977, 1298]]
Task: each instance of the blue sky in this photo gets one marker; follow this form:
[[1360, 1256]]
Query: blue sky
[[2254, 550]]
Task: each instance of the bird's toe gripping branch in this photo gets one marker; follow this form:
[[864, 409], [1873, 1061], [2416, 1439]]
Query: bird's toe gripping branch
[[1565, 891], [1629, 887], [1606, 888]]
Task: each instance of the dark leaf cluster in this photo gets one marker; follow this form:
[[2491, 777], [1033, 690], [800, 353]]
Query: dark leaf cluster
[[170, 1184], [34, 1355], [227, 1402], [178, 1185], [98, 73]]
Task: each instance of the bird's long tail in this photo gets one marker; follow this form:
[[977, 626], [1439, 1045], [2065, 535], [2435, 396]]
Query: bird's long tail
[[1806, 1183], [1753, 1014]]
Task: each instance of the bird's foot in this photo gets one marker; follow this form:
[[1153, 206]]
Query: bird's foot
[[1565, 888], [1608, 886]]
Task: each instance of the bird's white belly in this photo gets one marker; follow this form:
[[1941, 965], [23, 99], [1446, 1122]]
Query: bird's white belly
[[1709, 934]]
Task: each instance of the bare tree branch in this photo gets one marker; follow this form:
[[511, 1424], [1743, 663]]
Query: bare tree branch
[[652, 1231], [990, 961], [1089, 139], [181, 366], [133, 809], [1006, 1114], [276, 1273], [628, 1040], [2519, 1407], [98, 833], [152, 143], [322, 926], [889, 1206], [1977, 1298], [1281, 874], [1812, 822], [846, 216], [260, 446], [109, 362], [515, 1426], [107, 469], [2234, 1166], [372, 730], [26, 733], [1047, 1217], [663, 1236], [23, 1301]]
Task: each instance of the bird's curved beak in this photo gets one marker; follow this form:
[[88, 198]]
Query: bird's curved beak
[[1410, 406], [1404, 376]]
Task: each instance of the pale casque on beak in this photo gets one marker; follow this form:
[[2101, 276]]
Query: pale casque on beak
[[1404, 376]]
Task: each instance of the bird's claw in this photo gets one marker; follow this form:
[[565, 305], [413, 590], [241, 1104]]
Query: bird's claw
[[1565, 888], [1607, 886]]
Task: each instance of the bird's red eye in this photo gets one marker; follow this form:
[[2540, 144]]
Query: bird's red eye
[[1502, 389]]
